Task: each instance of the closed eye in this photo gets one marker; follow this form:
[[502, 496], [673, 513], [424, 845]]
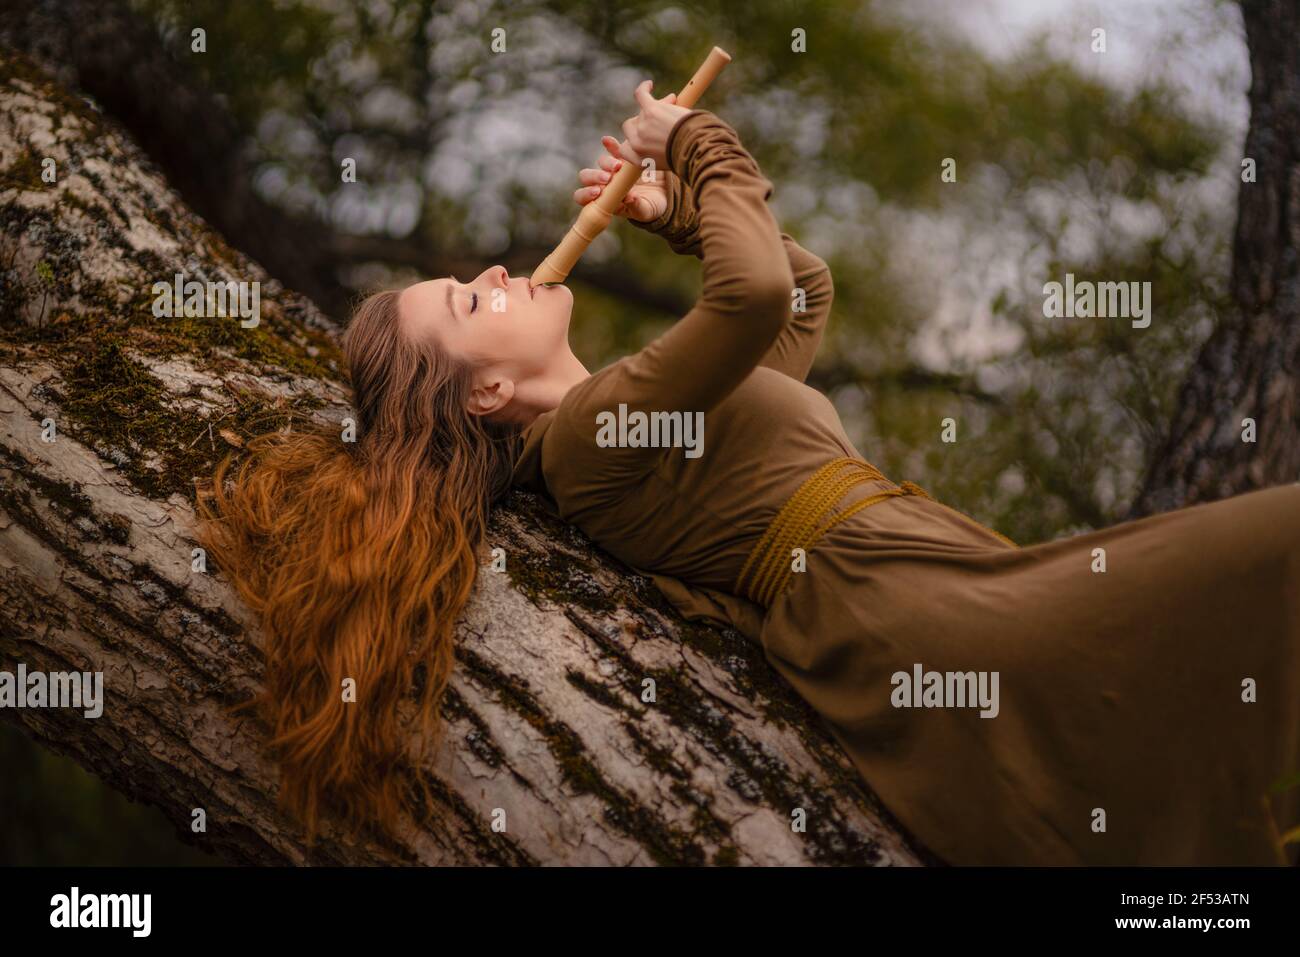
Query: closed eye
[[473, 300]]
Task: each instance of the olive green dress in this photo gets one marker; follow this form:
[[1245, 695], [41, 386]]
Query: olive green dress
[[1144, 711]]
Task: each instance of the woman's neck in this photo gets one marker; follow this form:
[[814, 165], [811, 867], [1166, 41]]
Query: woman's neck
[[544, 393]]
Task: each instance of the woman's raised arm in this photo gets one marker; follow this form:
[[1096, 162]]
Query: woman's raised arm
[[796, 347], [747, 286]]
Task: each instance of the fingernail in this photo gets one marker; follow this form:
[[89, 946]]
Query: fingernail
[[604, 177]]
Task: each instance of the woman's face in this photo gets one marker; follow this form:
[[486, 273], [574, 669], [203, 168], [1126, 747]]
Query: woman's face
[[494, 322]]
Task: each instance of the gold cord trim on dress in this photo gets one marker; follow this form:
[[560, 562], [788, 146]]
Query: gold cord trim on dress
[[807, 516]]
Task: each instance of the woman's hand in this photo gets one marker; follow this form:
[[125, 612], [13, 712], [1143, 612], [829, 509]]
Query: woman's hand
[[647, 132], [644, 201]]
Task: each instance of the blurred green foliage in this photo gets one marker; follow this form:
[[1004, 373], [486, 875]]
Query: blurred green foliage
[[56, 814]]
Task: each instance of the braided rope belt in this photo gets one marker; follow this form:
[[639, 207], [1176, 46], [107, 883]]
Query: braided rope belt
[[807, 516]]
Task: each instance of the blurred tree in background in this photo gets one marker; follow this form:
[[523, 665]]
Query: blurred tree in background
[[56, 814], [466, 157]]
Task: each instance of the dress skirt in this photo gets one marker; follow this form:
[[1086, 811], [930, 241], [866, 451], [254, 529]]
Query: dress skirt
[[1141, 683]]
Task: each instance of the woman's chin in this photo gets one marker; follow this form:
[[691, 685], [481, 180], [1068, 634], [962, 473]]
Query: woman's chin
[[563, 306]]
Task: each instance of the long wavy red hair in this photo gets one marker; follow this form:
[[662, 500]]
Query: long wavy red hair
[[357, 559]]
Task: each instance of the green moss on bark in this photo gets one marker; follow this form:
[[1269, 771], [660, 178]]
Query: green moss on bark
[[116, 406]]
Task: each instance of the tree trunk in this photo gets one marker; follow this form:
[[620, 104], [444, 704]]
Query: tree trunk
[[108, 415], [1250, 366]]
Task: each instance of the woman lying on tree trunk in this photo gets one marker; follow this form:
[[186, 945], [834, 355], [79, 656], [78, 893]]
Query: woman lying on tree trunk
[[1126, 696]]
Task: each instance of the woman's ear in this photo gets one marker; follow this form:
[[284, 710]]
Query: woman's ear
[[491, 397]]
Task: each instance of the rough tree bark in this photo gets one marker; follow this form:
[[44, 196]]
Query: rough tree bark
[[1250, 366], [545, 714]]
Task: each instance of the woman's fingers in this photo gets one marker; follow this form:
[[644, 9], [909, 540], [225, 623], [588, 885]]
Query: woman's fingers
[[630, 201], [625, 150], [594, 180], [635, 206], [642, 94], [619, 153]]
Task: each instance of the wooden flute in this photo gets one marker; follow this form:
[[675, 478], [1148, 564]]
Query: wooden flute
[[595, 216]]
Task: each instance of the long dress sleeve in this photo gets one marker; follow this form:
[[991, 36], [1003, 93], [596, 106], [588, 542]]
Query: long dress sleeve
[[742, 309], [796, 347]]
